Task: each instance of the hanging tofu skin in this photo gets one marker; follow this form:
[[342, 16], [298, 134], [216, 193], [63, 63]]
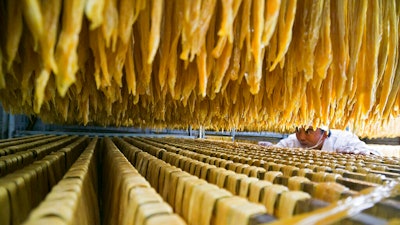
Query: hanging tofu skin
[[66, 56]]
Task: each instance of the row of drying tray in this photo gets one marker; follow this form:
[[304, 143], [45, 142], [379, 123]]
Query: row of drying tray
[[382, 208], [37, 145]]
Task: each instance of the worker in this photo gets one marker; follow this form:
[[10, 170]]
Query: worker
[[326, 140]]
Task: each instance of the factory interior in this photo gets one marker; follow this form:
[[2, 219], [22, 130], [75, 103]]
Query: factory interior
[[154, 111]]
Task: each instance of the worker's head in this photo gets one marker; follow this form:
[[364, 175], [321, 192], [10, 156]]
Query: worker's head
[[311, 138]]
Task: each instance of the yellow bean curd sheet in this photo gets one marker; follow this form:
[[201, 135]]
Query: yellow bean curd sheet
[[243, 64]]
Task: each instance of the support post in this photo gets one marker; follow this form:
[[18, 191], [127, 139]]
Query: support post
[[233, 133], [4, 124], [190, 131], [11, 125], [201, 132]]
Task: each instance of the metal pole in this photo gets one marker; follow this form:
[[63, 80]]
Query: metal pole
[[4, 124], [201, 132], [11, 125], [190, 130]]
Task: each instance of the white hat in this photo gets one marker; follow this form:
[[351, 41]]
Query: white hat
[[324, 127]]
